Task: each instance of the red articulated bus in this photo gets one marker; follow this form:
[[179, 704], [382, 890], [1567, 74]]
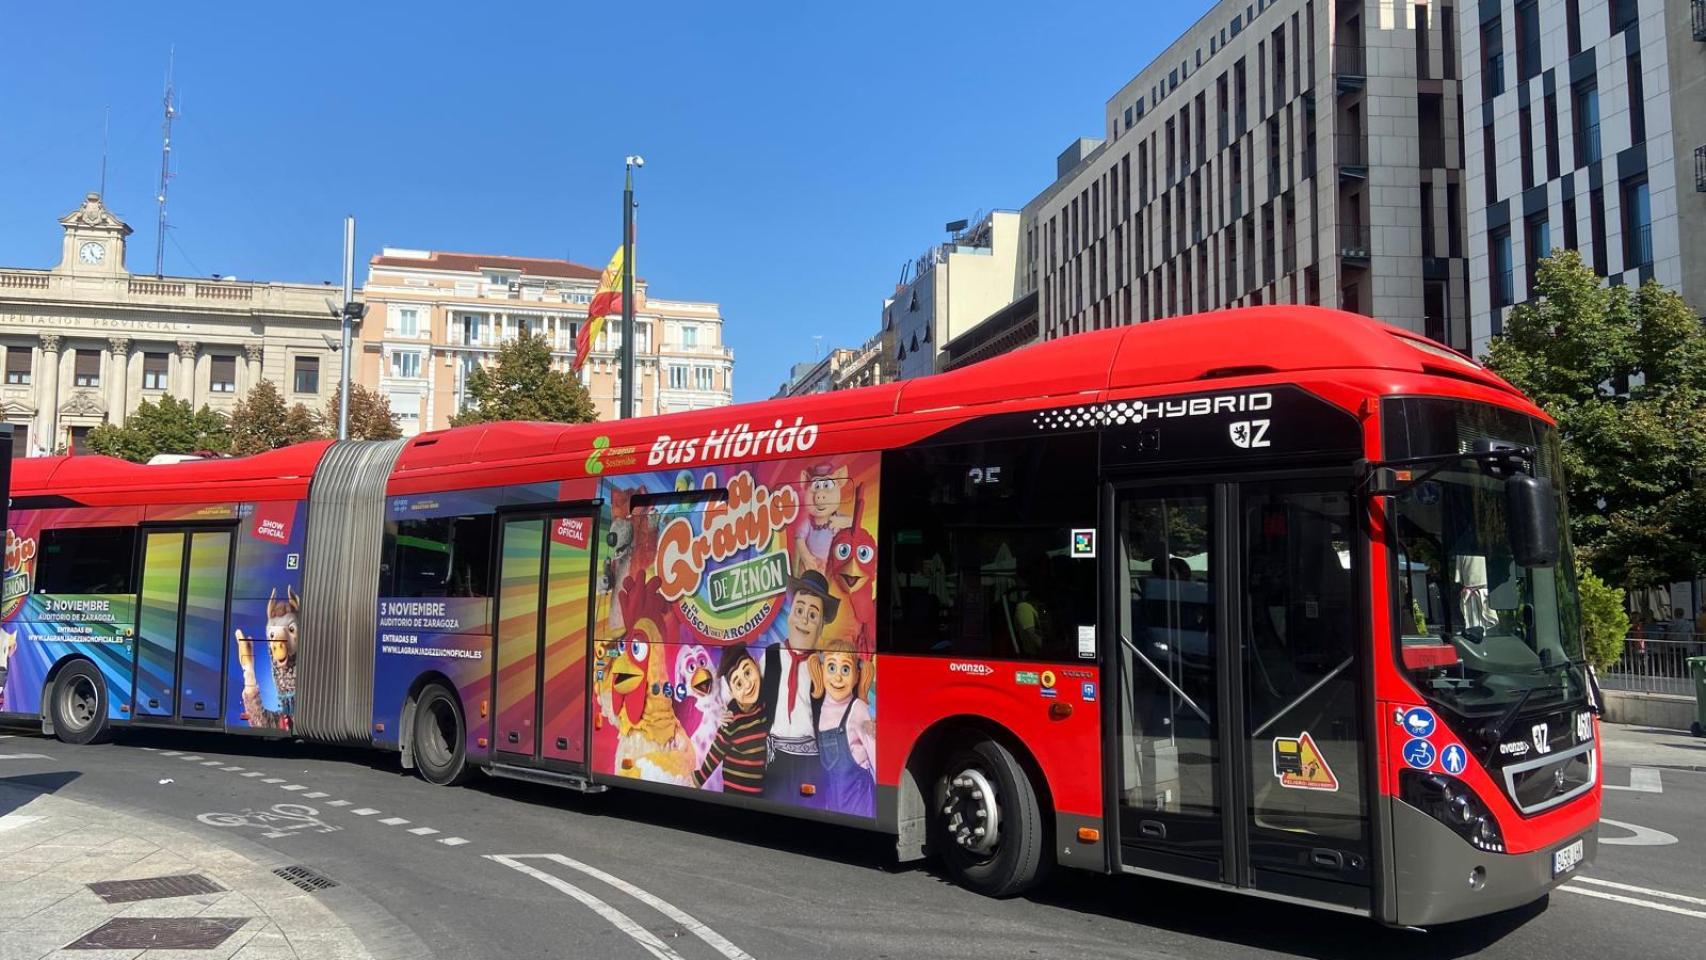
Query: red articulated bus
[[1273, 600]]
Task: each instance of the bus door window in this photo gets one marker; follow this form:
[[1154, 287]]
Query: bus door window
[[1301, 683], [1166, 647]]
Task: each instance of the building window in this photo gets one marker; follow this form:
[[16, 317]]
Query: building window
[[1539, 241], [1573, 25], [408, 322], [1551, 117], [1637, 224], [306, 377], [1422, 41], [223, 375], [406, 364], [155, 368], [1587, 122], [1448, 42], [18, 365], [87, 372], [473, 329], [1624, 13], [1492, 59], [1499, 249], [1637, 101], [1527, 39], [1596, 226], [702, 378], [1525, 140], [677, 377], [689, 335]]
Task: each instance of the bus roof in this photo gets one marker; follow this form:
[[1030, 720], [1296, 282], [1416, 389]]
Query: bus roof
[[1277, 341]]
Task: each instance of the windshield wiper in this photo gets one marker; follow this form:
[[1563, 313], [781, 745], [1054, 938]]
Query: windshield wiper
[[1496, 733]]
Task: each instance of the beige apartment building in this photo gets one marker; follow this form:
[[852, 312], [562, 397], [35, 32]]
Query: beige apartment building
[[85, 341], [433, 318]]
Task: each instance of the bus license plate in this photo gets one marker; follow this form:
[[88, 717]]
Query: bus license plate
[[1566, 859]]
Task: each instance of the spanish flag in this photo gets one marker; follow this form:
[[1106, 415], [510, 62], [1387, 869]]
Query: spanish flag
[[606, 301]]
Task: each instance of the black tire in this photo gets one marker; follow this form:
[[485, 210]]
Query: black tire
[[983, 787], [440, 737], [79, 704]]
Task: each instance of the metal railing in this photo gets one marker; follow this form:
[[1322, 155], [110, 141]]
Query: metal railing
[[1700, 161], [1655, 665], [1587, 151], [1348, 60], [1699, 16], [1641, 245], [1352, 150], [1354, 241]]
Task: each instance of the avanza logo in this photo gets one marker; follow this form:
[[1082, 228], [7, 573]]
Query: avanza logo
[[975, 669]]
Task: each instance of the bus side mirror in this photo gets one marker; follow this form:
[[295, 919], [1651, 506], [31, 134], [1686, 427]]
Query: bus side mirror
[[1531, 516]]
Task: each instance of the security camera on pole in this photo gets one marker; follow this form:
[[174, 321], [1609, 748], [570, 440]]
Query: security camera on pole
[[627, 409]]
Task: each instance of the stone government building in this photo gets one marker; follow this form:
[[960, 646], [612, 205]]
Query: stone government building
[[86, 341]]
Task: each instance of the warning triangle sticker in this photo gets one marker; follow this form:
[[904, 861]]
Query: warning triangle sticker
[[1299, 765]]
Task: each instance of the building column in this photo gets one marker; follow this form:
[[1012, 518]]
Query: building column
[[47, 394], [186, 370], [119, 370], [252, 352]]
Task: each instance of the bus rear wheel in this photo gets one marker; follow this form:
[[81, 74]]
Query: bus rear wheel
[[79, 704], [988, 823], [440, 738]]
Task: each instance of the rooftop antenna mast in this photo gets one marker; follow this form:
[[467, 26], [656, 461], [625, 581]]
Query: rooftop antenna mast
[[171, 111], [106, 128]]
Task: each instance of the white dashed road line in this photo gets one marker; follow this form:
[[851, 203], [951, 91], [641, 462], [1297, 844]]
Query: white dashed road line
[[24, 756], [364, 812], [1641, 780], [315, 795], [293, 787], [273, 780], [453, 841], [337, 803], [1572, 887], [422, 831], [254, 773], [394, 821], [617, 918]]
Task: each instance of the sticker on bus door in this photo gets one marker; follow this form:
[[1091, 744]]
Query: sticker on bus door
[[1299, 765]]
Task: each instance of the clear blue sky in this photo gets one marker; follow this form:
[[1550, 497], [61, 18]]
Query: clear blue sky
[[797, 153]]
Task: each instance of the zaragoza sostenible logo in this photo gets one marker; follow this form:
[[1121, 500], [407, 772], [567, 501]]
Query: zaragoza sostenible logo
[[594, 465]]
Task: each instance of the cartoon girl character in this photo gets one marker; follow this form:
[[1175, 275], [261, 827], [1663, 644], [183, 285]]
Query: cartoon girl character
[[846, 737]]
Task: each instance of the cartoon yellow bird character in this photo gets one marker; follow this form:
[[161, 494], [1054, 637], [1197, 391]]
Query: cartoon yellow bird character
[[633, 689]]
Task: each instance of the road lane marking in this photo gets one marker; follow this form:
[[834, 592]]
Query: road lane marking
[[364, 812], [1601, 894], [24, 756], [211, 763], [171, 753], [191, 756], [394, 821], [292, 787], [230, 769], [453, 841], [335, 803], [422, 831], [711, 937], [273, 780], [1643, 836], [616, 918], [1631, 888], [13, 821], [254, 773], [1641, 780], [315, 795]]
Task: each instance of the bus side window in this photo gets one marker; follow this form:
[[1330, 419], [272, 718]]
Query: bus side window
[[440, 557], [87, 560], [978, 548]]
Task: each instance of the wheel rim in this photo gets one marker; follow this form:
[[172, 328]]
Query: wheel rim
[[438, 738], [82, 703], [971, 811]]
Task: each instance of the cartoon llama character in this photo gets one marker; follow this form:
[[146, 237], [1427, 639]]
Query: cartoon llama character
[[853, 575], [281, 637], [632, 687], [821, 488], [696, 676]]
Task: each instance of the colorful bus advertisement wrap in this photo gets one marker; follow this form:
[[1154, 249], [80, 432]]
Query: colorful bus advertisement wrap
[[266, 602], [735, 629]]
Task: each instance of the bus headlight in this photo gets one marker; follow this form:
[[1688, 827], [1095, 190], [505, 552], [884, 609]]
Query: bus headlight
[[1452, 802]]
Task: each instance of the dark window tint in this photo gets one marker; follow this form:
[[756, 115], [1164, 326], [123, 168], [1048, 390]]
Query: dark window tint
[[18, 364], [154, 369], [88, 368], [86, 560], [222, 376], [1637, 101], [439, 557], [1499, 248], [1492, 59], [978, 555], [307, 375], [1527, 39]]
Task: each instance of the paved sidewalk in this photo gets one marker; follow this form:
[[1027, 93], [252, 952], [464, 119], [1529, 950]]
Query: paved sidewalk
[[53, 849], [1627, 745]]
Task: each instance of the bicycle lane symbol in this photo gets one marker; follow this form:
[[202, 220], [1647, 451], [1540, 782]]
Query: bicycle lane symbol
[[281, 820]]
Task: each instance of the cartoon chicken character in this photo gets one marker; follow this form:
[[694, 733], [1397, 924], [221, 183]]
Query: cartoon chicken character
[[634, 691], [853, 574]]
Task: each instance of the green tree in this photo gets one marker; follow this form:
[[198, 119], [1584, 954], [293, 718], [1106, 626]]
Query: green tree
[[1604, 622], [169, 426], [370, 416], [1624, 374], [261, 421], [524, 385]]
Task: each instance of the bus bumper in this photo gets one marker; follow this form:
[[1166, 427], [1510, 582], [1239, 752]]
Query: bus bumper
[[1440, 878]]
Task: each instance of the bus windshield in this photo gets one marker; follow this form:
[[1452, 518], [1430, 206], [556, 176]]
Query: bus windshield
[[1480, 634]]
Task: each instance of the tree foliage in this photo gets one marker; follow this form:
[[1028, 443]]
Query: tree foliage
[[370, 415], [261, 421], [524, 385], [1604, 621], [1624, 374], [168, 426]]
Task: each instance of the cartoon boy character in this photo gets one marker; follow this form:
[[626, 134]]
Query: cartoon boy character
[[821, 488], [791, 682], [281, 649], [740, 743], [846, 737]]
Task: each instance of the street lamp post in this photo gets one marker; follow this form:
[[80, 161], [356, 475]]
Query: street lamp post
[[627, 409], [351, 314]]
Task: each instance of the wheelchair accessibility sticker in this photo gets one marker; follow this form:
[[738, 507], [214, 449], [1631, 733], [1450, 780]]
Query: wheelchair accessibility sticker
[[1298, 764]]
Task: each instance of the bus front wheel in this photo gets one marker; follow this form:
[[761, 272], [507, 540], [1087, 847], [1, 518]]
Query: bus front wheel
[[440, 738], [79, 704], [988, 823]]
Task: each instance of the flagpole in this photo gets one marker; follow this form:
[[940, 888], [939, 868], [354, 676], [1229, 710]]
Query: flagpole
[[627, 409]]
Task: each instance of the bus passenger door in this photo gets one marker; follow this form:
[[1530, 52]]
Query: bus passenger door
[[182, 623], [544, 591]]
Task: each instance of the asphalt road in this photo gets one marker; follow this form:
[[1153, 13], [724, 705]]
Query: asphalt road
[[503, 869]]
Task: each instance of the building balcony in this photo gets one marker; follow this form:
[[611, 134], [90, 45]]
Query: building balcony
[[1350, 70], [1354, 246], [1351, 152], [1700, 165], [1698, 13]]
